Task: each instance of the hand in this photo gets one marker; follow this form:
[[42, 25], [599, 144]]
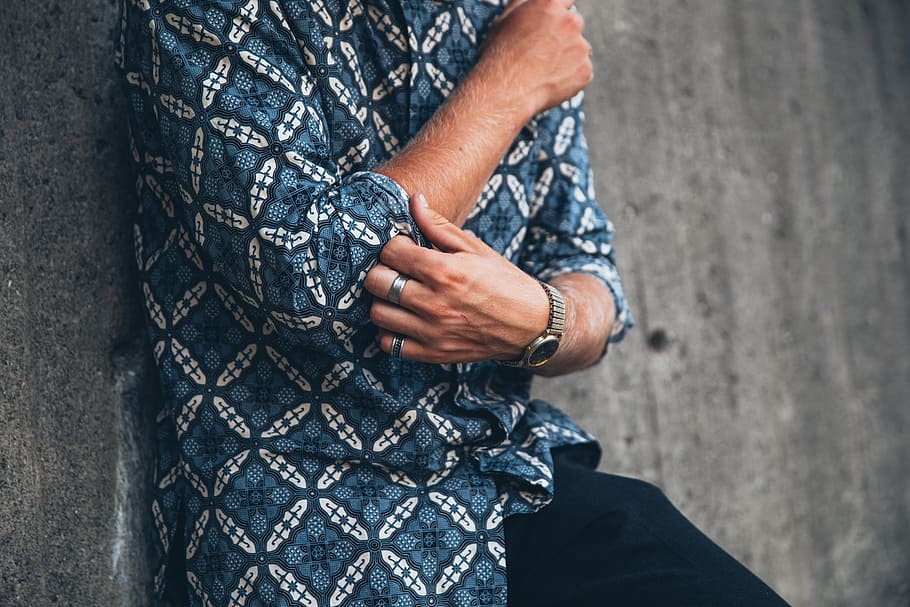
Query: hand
[[464, 302], [536, 50]]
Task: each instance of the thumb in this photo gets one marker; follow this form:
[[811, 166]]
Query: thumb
[[441, 232]]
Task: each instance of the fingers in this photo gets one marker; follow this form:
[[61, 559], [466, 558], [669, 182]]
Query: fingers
[[379, 281], [409, 258], [404, 256], [396, 319], [413, 348], [444, 234], [414, 295], [421, 339]]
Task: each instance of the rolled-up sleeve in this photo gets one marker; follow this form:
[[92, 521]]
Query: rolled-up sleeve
[[568, 232], [247, 157]]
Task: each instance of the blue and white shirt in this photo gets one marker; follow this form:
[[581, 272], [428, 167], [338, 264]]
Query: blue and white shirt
[[310, 467]]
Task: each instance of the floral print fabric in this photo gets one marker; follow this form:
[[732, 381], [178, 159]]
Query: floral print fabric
[[310, 467]]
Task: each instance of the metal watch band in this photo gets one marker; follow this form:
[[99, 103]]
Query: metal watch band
[[557, 322], [556, 325]]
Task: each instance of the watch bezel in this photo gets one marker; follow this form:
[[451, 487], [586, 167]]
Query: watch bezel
[[537, 345]]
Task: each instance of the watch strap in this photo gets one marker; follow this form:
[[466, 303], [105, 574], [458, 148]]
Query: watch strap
[[556, 325]]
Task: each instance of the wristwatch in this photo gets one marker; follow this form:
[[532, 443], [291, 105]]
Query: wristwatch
[[541, 350]]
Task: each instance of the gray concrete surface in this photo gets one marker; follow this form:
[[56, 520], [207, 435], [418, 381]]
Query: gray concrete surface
[[755, 157], [74, 442]]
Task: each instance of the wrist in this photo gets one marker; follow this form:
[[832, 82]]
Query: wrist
[[545, 341], [536, 318]]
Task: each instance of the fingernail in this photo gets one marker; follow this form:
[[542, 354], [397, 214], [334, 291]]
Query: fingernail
[[423, 200]]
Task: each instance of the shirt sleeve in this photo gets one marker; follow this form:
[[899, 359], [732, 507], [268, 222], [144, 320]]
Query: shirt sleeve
[[568, 231], [237, 122]]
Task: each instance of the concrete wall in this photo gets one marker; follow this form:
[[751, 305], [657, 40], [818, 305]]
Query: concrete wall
[[755, 157]]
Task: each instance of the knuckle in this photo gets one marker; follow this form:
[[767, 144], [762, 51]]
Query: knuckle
[[438, 220], [451, 275], [385, 343], [577, 20], [391, 246], [436, 268], [438, 310], [371, 280], [588, 71], [449, 346], [375, 314], [554, 7], [439, 270], [442, 346]]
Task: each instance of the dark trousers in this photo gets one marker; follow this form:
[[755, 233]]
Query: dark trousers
[[617, 541]]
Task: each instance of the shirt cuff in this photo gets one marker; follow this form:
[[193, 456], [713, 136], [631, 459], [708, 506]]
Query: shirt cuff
[[606, 272]]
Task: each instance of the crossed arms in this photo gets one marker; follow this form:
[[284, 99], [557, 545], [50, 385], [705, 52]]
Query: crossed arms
[[475, 305]]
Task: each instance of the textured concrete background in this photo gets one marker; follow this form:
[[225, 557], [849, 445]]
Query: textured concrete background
[[755, 157]]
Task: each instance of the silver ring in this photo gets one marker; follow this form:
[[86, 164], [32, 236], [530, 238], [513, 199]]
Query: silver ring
[[397, 345], [397, 288]]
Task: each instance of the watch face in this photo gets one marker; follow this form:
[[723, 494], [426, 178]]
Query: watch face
[[544, 351]]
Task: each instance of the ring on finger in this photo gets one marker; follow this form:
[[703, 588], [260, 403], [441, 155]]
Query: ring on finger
[[397, 345], [397, 288]]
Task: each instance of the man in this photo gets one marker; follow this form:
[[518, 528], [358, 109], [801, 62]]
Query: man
[[346, 370]]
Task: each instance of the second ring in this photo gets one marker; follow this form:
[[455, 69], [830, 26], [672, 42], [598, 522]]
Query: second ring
[[397, 345], [397, 288]]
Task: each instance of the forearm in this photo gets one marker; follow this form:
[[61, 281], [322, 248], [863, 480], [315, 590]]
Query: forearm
[[589, 316], [533, 58], [454, 154]]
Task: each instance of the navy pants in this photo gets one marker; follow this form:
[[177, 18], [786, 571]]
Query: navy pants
[[608, 540]]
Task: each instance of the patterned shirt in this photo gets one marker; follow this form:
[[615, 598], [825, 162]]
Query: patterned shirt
[[311, 468]]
